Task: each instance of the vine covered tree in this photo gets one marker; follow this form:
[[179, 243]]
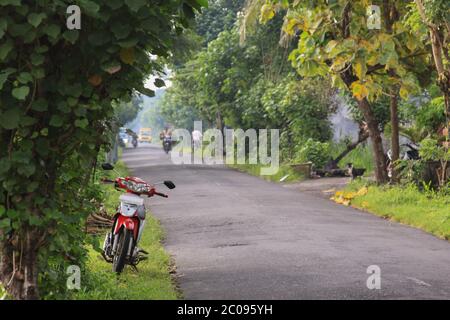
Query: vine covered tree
[[56, 92]]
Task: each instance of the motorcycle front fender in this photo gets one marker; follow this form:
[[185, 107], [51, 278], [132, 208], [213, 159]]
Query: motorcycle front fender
[[129, 223]]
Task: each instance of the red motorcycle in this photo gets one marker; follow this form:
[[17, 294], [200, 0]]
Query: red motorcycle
[[120, 245]]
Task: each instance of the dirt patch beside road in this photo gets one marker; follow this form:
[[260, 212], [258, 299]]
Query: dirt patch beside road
[[322, 188]]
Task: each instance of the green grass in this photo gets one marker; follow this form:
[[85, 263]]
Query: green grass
[[153, 281], [428, 211], [361, 157], [284, 170], [3, 294]]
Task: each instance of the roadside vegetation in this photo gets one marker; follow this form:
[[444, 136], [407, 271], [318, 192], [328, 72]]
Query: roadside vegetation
[[152, 281], [241, 74], [392, 82], [360, 157], [62, 95], [424, 209]]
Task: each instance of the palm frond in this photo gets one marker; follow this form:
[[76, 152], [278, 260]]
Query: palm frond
[[249, 18]]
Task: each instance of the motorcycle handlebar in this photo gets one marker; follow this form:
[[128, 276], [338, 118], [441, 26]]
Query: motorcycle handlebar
[[105, 180], [150, 192], [161, 194]]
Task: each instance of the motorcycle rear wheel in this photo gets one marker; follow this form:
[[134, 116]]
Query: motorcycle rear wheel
[[123, 244]]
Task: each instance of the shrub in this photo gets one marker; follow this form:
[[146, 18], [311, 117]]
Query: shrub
[[432, 116], [431, 150], [314, 151]]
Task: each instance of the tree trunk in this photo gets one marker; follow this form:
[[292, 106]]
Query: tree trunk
[[19, 265], [219, 121], [395, 140], [374, 132], [377, 143], [443, 74]]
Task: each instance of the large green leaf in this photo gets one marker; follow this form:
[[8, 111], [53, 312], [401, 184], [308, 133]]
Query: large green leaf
[[41, 49], [25, 77], [71, 35], [135, 5], [4, 76], [5, 49], [5, 223], [35, 19], [81, 123], [56, 121], [120, 30], [89, 6], [38, 73], [37, 59], [10, 119], [40, 105], [27, 169], [28, 121], [52, 30], [21, 93]]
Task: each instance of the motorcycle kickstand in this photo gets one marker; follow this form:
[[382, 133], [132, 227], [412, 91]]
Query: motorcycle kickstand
[[134, 267]]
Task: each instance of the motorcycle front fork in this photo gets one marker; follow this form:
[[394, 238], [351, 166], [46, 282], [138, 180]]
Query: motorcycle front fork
[[112, 241]]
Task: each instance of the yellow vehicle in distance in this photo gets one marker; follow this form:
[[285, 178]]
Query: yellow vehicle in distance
[[145, 135]]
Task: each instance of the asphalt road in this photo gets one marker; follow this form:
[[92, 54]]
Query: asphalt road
[[235, 236]]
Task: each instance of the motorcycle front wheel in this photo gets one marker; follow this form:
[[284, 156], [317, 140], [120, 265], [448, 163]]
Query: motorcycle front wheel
[[123, 244]]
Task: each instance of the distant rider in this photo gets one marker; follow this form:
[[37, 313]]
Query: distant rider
[[165, 133]]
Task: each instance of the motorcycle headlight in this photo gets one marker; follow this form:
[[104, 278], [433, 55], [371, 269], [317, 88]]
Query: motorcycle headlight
[[128, 209]]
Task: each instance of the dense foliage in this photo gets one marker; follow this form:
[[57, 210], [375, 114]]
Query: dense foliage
[[63, 92], [127, 111], [221, 15], [57, 88], [241, 78], [249, 86]]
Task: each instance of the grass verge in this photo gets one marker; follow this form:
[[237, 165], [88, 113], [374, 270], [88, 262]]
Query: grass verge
[[152, 282], [284, 170], [428, 211]]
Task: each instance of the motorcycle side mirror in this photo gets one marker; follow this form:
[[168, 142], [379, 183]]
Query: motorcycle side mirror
[[169, 184], [107, 166]]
